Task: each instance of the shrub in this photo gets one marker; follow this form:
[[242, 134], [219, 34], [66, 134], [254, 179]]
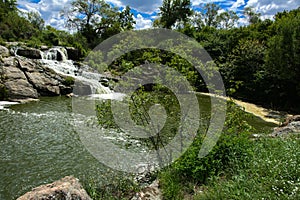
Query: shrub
[[69, 81]]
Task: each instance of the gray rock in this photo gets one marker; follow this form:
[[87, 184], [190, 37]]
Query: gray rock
[[15, 81], [67, 188], [4, 52], [292, 127], [290, 119], [26, 78]]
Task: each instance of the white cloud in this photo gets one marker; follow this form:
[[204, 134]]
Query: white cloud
[[237, 4], [50, 9], [145, 6], [268, 8], [199, 2], [142, 23]]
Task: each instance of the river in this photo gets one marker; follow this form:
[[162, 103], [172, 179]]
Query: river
[[39, 145]]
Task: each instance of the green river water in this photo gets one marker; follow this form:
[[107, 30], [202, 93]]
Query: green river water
[[39, 145]]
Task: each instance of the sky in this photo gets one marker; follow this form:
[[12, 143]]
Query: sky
[[145, 11]]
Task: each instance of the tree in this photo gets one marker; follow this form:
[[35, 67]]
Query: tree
[[253, 17], [96, 20], [7, 6], [173, 11], [36, 20], [211, 15], [227, 19], [283, 60], [126, 19], [244, 67]]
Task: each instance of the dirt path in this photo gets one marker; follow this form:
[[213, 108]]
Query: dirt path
[[265, 114]]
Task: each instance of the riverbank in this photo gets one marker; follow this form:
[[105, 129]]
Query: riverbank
[[268, 115]]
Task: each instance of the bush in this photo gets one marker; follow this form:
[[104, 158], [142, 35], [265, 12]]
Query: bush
[[69, 81], [231, 150]]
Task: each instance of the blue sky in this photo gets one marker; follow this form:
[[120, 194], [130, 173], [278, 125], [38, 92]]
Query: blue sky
[[146, 10]]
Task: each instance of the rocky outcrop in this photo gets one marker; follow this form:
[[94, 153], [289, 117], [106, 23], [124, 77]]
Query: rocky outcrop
[[290, 126], [29, 53], [15, 81], [67, 188], [25, 78], [4, 52]]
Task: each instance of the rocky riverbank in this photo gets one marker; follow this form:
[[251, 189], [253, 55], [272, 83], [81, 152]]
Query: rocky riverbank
[[28, 73]]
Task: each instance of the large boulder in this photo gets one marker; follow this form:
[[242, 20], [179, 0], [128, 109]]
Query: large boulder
[[29, 79], [15, 81], [4, 52], [67, 188], [29, 53]]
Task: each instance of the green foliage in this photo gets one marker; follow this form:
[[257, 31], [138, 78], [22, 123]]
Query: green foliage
[[105, 115], [97, 20], [95, 60], [120, 186], [172, 12], [283, 61], [244, 68], [36, 20], [232, 148], [34, 42], [69, 81], [272, 172]]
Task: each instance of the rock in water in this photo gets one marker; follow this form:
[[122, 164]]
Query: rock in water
[[67, 188]]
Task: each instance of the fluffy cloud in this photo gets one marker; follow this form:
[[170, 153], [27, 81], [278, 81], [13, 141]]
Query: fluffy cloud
[[145, 10], [269, 8], [50, 10], [145, 6], [142, 23]]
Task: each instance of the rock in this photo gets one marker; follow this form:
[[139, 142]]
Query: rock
[[81, 89], [293, 127], [290, 119], [67, 188], [151, 192], [73, 53], [16, 82], [29, 53], [29, 79], [4, 52]]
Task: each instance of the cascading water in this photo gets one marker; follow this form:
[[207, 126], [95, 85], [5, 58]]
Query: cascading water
[[57, 59], [56, 53]]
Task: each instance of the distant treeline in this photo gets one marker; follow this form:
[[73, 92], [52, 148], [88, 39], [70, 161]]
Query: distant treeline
[[259, 62]]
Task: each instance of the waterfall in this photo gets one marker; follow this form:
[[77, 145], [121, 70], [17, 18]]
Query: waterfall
[[56, 53], [57, 59]]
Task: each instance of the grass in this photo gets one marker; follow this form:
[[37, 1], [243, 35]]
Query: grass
[[238, 167], [272, 173]]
